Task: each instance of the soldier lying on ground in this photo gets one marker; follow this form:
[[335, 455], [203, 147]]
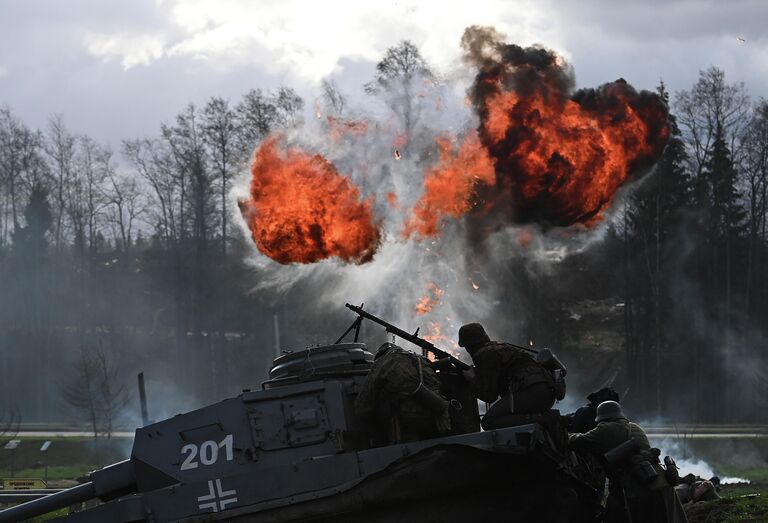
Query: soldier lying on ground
[[504, 371], [583, 419], [401, 395], [694, 488], [638, 487]]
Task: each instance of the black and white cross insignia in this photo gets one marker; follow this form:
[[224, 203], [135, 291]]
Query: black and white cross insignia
[[217, 498]]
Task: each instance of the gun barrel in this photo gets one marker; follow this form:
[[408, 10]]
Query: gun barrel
[[107, 483], [419, 342], [50, 503]]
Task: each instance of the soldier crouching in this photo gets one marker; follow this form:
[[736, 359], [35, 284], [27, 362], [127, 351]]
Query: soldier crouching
[[638, 487], [401, 395], [507, 372]]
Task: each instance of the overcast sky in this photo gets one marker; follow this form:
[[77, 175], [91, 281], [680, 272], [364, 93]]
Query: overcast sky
[[116, 69]]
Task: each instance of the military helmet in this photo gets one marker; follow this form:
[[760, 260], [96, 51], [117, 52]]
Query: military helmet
[[609, 410], [385, 348], [472, 334]]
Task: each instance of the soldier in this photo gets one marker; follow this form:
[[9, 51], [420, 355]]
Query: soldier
[[583, 419], [638, 488], [402, 395], [501, 370]]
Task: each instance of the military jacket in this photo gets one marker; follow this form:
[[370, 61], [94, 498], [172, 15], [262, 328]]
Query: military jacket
[[499, 366], [607, 436], [390, 384]]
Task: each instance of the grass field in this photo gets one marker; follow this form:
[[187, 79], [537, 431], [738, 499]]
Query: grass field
[[739, 503], [67, 458]]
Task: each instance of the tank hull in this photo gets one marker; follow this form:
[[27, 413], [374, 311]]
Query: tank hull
[[510, 474]]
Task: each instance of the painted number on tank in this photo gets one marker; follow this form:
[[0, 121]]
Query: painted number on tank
[[208, 452]]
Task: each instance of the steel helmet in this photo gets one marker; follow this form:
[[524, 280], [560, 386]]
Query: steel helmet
[[472, 334], [609, 410]]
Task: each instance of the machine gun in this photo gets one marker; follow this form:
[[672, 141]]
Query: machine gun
[[414, 338]]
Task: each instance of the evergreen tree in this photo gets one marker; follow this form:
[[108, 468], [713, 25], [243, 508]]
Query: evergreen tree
[[727, 215]]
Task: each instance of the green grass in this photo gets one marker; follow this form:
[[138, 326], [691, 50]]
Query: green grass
[[67, 458], [741, 503], [738, 504]]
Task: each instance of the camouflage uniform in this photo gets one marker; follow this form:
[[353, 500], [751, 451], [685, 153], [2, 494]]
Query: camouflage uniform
[[390, 390], [654, 502], [502, 370]]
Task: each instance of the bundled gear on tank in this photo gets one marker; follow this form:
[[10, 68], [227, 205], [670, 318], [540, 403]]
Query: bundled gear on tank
[[638, 487], [511, 373], [402, 394], [583, 419]]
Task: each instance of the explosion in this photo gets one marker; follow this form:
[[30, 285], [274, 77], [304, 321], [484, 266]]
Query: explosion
[[449, 185], [542, 153], [560, 157], [301, 210]]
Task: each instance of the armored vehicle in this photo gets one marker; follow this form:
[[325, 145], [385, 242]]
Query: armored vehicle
[[296, 451]]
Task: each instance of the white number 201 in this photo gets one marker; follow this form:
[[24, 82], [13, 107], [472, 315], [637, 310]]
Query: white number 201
[[208, 452]]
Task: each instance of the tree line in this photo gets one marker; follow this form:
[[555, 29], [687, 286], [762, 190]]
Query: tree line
[[134, 250]]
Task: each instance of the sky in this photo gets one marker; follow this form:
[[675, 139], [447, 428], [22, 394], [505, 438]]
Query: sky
[[117, 69]]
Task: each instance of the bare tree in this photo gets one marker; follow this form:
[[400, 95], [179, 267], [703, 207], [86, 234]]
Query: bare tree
[[82, 391], [111, 388], [711, 103], [96, 391], [333, 97], [397, 75], [60, 146], [92, 166], [220, 134], [123, 202], [289, 106], [154, 162], [257, 116]]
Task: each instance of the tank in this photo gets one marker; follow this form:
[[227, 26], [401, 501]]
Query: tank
[[295, 451]]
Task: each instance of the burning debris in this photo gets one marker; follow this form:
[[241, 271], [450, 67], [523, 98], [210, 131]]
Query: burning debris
[[429, 300], [449, 186], [302, 210]]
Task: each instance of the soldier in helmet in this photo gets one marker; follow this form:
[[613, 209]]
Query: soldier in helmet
[[638, 486], [401, 395], [507, 372], [583, 419]]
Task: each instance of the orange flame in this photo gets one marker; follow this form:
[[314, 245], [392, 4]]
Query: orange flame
[[435, 335], [338, 128], [429, 300], [564, 160], [302, 210], [392, 200], [449, 185]]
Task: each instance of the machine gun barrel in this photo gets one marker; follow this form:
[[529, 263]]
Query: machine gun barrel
[[413, 338]]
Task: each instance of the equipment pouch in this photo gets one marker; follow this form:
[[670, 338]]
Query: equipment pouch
[[430, 400], [644, 472], [671, 471]]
